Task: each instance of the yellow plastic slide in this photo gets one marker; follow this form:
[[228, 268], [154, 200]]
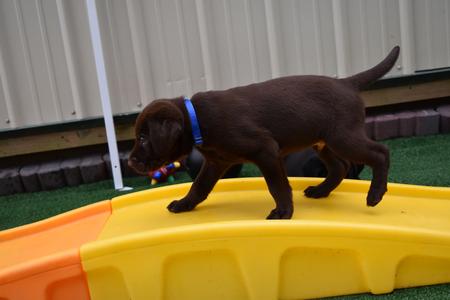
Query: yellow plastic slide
[[224, 249], [132, 248]]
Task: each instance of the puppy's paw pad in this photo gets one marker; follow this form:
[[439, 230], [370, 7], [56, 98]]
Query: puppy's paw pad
[[277, 214], [178, 206], [315, 192]]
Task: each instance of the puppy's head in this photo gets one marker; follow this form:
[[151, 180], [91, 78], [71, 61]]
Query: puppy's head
[[158, 129]]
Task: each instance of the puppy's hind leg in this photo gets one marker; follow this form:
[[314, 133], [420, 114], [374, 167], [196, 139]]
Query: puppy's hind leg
[[356, 147], [337, 169], [209, 174]]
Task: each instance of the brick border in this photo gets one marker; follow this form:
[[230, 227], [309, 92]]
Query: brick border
[[409, 123]]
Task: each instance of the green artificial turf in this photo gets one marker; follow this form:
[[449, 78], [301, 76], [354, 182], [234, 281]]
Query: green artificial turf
[[417, 160], [20, 209]]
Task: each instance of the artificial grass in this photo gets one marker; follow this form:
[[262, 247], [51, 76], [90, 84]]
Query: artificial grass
[[20, 209], [432, 292], [416, 160]]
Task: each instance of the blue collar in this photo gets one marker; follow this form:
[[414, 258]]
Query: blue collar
[[196, 133]]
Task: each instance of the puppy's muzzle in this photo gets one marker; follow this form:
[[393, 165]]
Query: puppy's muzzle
[[136, 165]]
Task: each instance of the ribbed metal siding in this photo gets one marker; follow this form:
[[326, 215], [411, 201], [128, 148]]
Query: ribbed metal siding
[[165, 48]]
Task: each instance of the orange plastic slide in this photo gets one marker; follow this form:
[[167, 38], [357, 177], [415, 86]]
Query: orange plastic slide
[[42, 260]]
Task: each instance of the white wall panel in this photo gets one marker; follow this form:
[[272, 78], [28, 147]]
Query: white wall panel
[[120, 57], [59, 80], [371, 36], [83, 60], [165, 48], [260, 41], [432, 36], [38, 60], [194, 61], [306, 37], [16, 66]]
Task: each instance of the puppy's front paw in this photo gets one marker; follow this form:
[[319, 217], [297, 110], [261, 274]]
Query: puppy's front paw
[[280, 214], [178, 206], [316, 192], [374, 197]]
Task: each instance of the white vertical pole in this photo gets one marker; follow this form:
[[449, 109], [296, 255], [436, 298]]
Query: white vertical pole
[[104, 93]]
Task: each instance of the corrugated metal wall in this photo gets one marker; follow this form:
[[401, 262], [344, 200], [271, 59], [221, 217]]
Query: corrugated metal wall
[[164, 48]]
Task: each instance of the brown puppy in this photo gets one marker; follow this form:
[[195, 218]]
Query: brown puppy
[[261, 123]]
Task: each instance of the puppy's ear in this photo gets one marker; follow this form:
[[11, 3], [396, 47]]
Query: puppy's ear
[[164, 135]]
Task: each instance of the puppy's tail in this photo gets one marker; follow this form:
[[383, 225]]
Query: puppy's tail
[[364, 79]]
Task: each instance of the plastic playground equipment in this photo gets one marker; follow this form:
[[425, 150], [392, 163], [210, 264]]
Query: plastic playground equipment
[[132, 248]]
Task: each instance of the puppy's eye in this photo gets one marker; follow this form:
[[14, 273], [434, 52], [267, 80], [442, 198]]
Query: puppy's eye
[[142, 139]]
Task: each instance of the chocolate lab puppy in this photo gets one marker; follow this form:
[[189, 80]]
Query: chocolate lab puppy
[[261, 123]]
